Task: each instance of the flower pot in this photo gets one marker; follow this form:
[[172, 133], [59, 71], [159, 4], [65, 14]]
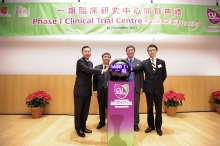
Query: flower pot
[[217, 108], [171, 111], [36, 112]]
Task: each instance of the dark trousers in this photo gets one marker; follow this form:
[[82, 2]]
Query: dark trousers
[[81, 111], [157, 99], [102, 100], [136, 107]]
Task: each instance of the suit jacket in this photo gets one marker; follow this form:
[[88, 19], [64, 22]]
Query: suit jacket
[[98, 80], [83, 82], [138, 76], [153, 81]]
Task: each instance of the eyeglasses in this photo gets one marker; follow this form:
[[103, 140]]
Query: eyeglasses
[[151, 50]]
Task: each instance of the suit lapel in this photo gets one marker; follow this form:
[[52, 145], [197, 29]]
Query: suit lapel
[[127, 59], [158, 62], [108, 74], [101, 66], [135, 62], [86, 62]]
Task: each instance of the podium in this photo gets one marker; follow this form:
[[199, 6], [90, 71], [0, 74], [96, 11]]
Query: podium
[[120, 113]]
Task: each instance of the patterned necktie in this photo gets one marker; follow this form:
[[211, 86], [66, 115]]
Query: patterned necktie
[[153, 64]]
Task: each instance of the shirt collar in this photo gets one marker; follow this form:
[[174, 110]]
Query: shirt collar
[[154, 58], [105, 65], [86, 59], [131, 59]]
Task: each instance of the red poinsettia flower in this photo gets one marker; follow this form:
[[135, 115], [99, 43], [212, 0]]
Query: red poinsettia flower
[[173, 99], [215, 97], [38, 99]]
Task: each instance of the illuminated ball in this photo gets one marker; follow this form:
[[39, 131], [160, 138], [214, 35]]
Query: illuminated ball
[[119, 69]]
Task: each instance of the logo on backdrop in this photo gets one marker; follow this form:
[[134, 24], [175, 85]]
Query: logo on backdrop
[[213, 16], [121, 91], [4, 11], [21, 11]]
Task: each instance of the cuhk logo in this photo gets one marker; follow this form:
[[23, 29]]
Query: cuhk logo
[[213, 16], [121, 91], [3, 10]]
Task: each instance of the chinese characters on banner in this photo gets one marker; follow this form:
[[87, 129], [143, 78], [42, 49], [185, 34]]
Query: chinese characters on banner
[[92, 18]]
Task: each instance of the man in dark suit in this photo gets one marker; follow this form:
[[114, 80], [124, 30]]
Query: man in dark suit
[[137, 77], [100, 88], [83, 90], [155, 75]]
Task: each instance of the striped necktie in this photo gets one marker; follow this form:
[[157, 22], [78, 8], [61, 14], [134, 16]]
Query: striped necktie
[[153, 64]]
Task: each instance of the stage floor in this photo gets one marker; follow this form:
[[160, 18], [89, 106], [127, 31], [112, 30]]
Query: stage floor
[[185, 129]]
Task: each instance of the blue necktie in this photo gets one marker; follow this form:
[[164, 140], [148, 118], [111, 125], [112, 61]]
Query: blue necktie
[[131, 77]]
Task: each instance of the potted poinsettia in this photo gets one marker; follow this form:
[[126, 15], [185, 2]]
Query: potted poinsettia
[[37, 101], [216, 100], [172, 100]]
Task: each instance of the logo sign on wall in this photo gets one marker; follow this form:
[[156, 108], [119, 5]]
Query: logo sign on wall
[[122, 18]]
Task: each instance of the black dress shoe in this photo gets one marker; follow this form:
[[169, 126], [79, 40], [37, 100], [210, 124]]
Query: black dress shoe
[[136, 128], [100, 126], [86, 130], [159, 131], [149, 129], [80, 133]]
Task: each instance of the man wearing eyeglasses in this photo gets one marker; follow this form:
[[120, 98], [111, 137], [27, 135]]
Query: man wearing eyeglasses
[[155, 75]]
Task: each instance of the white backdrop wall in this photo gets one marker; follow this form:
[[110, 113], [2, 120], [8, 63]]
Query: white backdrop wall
[[184, 54]]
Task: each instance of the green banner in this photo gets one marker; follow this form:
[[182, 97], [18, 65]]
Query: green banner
[[31, 19]]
